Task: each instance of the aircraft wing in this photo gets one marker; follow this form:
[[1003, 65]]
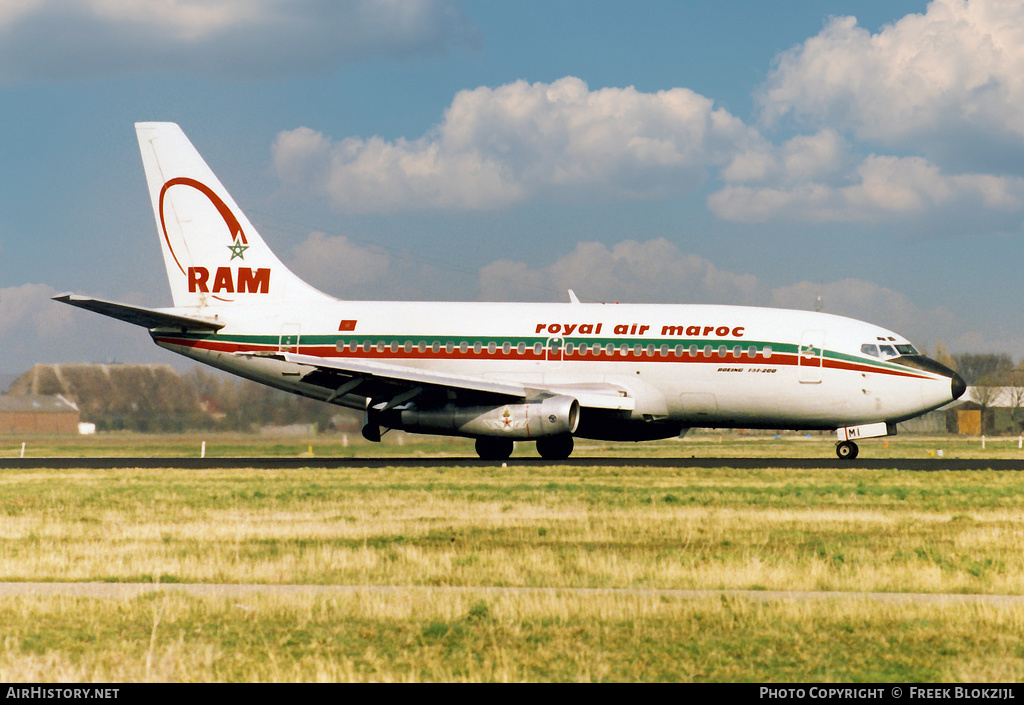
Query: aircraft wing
[[384, 380], [138, 315]]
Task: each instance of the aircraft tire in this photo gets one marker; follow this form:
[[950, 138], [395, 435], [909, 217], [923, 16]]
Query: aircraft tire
[[555, 447], [494, 448], [846, 450]]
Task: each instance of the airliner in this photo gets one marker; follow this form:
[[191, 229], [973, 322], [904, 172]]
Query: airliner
[[505, 372]]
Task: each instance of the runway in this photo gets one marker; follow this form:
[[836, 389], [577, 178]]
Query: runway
[[127, 591], [286, 463]]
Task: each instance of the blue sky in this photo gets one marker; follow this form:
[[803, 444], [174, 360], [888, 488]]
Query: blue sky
[[871, 153]]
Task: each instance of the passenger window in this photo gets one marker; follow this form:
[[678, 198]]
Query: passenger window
[[869, 349]]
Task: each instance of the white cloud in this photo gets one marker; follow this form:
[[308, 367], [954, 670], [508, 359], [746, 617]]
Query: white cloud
[[638, 272], [878, 189], [657, 271], [335, 263], [523, 141], [61, 39], [958, 68], [340, 267], [35, 328], [871, 302]]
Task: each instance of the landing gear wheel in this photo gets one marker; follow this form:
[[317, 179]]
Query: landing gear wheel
[[494, 448], [846, 450], [555, 447]]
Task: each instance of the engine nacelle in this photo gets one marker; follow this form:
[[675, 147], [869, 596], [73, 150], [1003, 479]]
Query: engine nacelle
[[550, 416]]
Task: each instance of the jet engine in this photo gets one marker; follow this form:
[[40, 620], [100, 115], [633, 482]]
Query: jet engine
[[550, 416]]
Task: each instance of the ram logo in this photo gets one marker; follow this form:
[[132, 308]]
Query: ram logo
[[227, 281]]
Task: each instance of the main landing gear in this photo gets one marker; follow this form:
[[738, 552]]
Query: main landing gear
[[846, 450], [555, 447], [549, 447], [490, 448]]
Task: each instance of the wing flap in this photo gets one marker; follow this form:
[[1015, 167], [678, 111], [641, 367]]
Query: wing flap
[[596, 396], [409, 375]]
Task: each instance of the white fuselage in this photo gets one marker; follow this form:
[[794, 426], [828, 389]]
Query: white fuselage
[[689, 365]]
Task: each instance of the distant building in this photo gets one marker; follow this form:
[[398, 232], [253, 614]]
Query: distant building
[[37, 414], [988, 410], [115, 397]]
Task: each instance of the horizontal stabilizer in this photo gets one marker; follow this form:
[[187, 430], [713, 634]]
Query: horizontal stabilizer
[[137, 315]]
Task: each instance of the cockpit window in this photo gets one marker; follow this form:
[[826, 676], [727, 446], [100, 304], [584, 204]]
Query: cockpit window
[[869, 349], [906, 350], [887, 351]]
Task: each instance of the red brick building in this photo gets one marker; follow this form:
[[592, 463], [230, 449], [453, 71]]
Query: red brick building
[[37, 414]]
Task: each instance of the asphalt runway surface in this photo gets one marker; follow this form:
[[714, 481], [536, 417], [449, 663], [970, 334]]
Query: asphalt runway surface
[[914, 464]]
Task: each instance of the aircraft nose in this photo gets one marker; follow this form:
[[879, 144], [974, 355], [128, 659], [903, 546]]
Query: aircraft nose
[[957, 386]]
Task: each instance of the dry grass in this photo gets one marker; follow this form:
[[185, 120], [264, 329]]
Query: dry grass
[[542, 526], [416, 636]]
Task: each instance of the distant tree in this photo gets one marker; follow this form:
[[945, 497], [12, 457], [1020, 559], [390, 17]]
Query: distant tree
[[943, 355], [1016, 390], [976, 367]]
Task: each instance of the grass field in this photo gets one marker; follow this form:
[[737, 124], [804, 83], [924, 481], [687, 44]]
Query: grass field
[[539, 526], [700, 444]]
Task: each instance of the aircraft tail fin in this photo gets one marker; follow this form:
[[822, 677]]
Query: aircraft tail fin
[[213, 254]]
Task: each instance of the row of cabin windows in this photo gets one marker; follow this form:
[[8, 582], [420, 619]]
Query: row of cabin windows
[[570, 349]]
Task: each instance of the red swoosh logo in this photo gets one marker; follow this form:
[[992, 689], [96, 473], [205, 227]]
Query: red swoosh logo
[[234, 227]]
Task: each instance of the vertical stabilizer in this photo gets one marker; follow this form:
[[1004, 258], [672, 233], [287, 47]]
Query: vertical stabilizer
[[213, 254]]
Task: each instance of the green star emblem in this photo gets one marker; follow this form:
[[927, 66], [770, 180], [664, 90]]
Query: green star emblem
[[238, 250]]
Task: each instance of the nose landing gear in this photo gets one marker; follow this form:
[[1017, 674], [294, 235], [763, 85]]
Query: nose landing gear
[[846, 450]]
